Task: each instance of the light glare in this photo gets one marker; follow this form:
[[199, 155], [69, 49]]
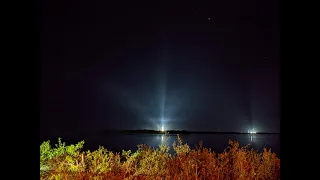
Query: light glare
[[253, 131]]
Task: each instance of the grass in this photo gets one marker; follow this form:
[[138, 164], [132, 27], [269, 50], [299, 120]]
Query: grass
[[235, 162]]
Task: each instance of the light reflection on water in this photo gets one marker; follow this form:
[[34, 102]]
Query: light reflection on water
[[217, 142]]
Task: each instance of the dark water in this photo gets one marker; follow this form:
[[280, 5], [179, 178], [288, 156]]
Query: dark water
[[217, 142]]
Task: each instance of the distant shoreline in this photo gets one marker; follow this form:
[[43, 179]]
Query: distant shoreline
[[182, 132]]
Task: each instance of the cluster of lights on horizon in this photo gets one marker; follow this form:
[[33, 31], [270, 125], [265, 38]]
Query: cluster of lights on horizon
[[250, 131], [253, 131]]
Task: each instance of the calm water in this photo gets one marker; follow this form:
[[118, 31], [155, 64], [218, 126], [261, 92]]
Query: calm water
[[217, 142]]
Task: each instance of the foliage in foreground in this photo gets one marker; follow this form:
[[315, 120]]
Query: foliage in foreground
[[68, 162]]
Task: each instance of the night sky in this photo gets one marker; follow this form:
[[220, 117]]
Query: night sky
[[107, 66]]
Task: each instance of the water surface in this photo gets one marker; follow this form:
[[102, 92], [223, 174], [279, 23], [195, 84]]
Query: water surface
[[217, 142]]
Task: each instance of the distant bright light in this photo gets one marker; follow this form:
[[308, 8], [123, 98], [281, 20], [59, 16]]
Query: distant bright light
[[162, 128], [253, 131]]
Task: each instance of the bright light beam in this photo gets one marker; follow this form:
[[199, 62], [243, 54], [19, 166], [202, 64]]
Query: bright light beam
[[253, 131], [162, 128]]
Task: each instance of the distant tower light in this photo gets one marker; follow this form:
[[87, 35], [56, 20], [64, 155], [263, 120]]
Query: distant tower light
[[162, 128], [253, 131]]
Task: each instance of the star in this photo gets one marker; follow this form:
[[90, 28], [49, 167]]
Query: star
[[209, 19]]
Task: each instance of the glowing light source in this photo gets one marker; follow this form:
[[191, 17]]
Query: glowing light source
[[253, 131], [162, 128]]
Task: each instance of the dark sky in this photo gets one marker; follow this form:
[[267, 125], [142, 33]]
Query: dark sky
[[189, 66]]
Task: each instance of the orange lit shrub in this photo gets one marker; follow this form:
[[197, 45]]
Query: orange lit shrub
[[240, 163]]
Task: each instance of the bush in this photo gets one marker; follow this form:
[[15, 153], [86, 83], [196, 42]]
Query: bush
[[241, 163]]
